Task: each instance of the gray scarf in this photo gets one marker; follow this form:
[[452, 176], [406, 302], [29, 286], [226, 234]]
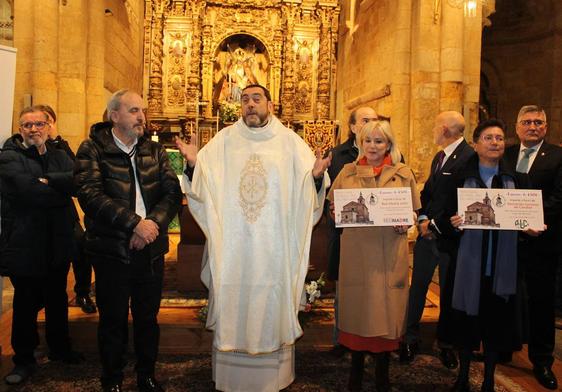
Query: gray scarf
[[466, 290]]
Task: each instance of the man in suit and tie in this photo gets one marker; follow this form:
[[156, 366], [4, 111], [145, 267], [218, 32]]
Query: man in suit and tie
[[538, 255], [428, 251]]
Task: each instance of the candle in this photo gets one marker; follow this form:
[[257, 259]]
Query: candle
[[154, 137], [217, 120]]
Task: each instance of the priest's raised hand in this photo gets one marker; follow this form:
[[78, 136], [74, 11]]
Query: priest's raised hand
[[321, 164], [188, 151]]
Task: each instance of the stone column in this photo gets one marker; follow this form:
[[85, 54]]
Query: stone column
[[424, 101], [95, 93], [45, 51], [400, 88], [472, 64], [452, 51], [24, 28], [73, 47]]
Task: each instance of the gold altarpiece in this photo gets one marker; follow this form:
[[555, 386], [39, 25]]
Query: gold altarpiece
[[199, 54]]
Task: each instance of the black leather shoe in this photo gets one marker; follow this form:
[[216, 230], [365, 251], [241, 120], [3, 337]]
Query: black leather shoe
[[448, 358], [149, 384], [86, 304], [545, 377], [113, 388], [408, 352]]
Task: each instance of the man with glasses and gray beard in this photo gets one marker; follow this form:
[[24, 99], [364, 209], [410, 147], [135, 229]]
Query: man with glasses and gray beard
[[36, 241], [538, 256]]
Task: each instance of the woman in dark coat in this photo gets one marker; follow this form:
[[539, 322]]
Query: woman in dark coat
[[485, 285]]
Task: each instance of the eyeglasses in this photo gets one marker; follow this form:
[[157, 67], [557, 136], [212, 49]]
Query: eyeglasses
[[527, 123], [490, 138], [39, 125]]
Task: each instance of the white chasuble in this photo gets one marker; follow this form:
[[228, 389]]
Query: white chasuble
[[254, 197]]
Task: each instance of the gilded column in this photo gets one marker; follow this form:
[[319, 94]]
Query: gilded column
[[95, 94], [333, 60], [192, 91], [207, 69], [324, 64], [148, 10], [157, 53], [288, 94]]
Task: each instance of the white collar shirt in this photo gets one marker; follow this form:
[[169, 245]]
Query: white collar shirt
[[140, 208]]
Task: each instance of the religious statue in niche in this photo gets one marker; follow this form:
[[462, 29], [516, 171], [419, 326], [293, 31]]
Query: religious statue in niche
[[304, 52], [243, 62]]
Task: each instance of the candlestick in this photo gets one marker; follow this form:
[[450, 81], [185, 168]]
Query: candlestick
[[217, 120]]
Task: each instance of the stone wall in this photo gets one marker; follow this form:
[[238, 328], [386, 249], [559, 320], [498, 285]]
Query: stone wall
[[71, 52], [409, 60], [522, 62]]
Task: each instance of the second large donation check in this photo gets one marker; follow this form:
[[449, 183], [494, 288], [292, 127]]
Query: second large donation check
[[373, 207], [500, 209]]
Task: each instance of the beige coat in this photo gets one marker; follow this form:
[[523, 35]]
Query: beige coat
[[373, 275]]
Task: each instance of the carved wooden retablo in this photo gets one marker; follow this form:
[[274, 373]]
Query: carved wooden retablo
[[200, 54]]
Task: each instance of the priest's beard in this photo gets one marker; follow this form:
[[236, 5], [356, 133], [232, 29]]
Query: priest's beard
[[256, 120]]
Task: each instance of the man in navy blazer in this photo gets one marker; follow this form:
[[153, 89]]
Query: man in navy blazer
[[428, 251], [538, 256]]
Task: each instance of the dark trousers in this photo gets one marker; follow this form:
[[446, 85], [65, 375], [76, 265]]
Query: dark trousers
[[81, 265], [31, 294], [116, 284], [540, 281], [426, 258]]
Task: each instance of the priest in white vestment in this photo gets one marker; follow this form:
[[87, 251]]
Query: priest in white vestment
[[256, 190]]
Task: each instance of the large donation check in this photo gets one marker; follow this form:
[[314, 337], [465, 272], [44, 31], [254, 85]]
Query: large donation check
[[500, 209], [373, 207]]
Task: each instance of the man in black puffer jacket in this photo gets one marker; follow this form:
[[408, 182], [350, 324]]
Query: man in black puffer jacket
[[36, 240], [129, 194]]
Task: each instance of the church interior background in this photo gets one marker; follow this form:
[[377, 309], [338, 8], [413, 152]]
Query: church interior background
[[408, 59]]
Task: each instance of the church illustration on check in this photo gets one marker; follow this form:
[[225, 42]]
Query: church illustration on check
[[481, 213], [355, 212]]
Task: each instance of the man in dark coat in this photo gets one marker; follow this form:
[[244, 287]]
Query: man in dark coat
[[129, 194], [36, 240], [538, 256], [428, 252], [81, 266], [341, 155]]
